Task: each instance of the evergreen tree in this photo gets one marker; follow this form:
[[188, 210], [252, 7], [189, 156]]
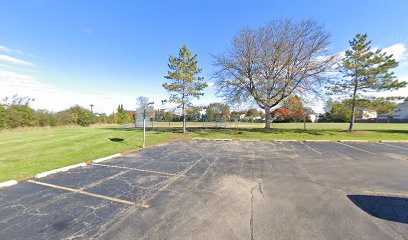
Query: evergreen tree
[[365, 70], [184, 83]]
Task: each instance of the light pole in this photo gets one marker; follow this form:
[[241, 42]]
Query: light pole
[[144, 123]]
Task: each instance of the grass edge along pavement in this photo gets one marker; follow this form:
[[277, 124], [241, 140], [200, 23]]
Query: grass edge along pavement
[[24, 153]]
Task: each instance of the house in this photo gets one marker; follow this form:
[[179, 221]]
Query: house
[[245, 118], [365, 114], [401, 113], [313, 117]]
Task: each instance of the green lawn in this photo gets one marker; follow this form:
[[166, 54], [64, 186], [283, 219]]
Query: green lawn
[[315, 131], [23, 153], [325, 126]]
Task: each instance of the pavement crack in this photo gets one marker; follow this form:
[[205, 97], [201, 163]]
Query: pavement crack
[[260, 187], [251, 220]]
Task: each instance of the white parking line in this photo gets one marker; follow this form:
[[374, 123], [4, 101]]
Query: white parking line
[[393, 146], [90, 194], [355, 148], [310, 148], [137, 169]]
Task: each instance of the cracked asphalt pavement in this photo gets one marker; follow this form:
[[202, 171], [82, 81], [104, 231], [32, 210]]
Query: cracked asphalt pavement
[[220, 190]]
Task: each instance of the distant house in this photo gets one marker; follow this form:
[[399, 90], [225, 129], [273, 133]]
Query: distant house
[[383, 117], [242, 117], [245, 118], [365, 114], [399, 115], [313, 117]]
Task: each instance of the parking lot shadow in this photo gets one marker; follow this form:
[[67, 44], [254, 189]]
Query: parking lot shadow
[[384, 207]]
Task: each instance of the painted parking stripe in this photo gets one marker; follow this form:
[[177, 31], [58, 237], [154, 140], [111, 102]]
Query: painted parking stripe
[[393, 146], [137, 169], [355, 148], [405, 194], [142, 205], [310, 148]]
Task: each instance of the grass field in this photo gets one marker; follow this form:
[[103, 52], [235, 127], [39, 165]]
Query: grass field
[[23, 153]]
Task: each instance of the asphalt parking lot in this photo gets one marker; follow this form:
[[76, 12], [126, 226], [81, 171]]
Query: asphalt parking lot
[[220, 190]]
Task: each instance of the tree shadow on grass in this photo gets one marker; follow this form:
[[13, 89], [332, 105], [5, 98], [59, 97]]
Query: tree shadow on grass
[[117, 139], [388, 131], [150, 130], [283, 131], [119, 129], [384, 207], [237, 131]]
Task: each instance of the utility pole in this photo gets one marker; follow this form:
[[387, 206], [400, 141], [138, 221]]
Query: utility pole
[[144, 123]]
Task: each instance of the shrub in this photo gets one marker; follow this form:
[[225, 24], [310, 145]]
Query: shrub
[[19, 116]]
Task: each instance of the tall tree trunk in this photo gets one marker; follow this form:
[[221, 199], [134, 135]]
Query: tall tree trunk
[[267, 117], [304, 121], [183, 99], [353, 109], [184, 118]]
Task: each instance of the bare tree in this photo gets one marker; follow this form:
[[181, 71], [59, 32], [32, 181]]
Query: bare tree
[[17, 100], [268, 64], [142, 102]]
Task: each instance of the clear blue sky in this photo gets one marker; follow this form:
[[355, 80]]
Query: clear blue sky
[[109, 52]]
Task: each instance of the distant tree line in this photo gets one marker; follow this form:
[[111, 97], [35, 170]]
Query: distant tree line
[[291, 110], [16, 112]]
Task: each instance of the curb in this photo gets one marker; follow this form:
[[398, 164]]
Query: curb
[[316, 141], [307, 140], [285, 140], [106, 158], [83, 164], [8, 183], [212, 139], [353, 141], [64, 169]]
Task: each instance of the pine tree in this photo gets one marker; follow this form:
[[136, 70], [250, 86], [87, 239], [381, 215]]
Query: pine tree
[[365, 70], [184, 83]]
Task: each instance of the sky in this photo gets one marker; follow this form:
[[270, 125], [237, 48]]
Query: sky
[[107, 53]]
